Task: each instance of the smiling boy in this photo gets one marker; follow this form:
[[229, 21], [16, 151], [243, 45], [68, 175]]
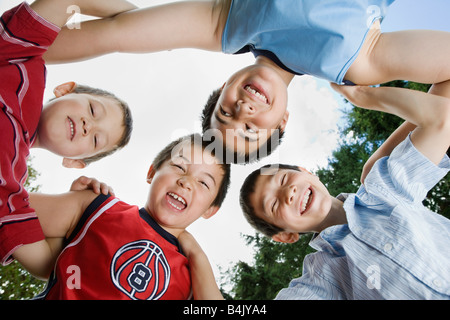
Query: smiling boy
[[81, 124], [123, 251], [384, 226]]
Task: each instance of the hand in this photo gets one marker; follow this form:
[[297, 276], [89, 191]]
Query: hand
[[357, 95], [188, 244], [85, 183]]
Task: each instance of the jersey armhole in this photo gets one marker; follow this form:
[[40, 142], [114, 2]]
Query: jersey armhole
[[93, 206]]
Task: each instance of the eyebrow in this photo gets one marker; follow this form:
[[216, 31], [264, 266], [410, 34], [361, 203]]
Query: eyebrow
[[211, 176]]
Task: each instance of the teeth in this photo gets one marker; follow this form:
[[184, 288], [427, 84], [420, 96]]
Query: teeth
[[177, 197], [71, 128], [260, 96], [305, 201]]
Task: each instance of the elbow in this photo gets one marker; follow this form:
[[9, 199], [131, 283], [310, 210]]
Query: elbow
[[444, 123]]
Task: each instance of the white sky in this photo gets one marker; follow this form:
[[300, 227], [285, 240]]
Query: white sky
[[166, 92]]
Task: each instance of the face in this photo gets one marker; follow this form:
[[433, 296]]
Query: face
[[253, 102], [183, 188], [295, 201], [80, 125]]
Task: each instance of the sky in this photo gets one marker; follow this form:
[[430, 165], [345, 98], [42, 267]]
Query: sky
[[166, 92]]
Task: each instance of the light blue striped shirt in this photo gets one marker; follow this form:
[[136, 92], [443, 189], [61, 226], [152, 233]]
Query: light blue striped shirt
[[392, 247]]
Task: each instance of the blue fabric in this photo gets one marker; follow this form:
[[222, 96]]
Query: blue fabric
[[392, 247], [317, 37]]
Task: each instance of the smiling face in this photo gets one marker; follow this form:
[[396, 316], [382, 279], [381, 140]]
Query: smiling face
[[184, 188], [252, 104], [295, 201], [80, 125]]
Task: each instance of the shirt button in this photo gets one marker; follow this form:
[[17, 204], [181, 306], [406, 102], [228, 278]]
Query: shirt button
[[437, 283], [388, 247]]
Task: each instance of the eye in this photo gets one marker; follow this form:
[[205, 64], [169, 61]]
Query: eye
[[91, 109], [204, 184], [179, 166], [249, 129], [95, 141], [283, 179], [224, 113], [273, 205]]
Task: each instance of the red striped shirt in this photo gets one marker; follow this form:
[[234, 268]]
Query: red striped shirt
[[24, 38]]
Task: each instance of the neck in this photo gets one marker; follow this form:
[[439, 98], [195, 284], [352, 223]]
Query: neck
[[285, 75], [336, 216]]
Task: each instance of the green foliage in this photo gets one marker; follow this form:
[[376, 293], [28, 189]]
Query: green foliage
[[15, 282], [275, 264]]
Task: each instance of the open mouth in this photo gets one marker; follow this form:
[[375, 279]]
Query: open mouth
[[176, 201], [307, 198], [257, 93], [72, 128]]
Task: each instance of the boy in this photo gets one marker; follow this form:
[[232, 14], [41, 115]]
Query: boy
[[380, 243], [336, 40], [81, 124], [119, 251]]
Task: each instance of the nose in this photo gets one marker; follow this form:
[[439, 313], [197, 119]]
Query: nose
[[185, 183], [87, 126], [289, 193], [244, 109]]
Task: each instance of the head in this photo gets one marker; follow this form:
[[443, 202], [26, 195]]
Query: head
[[187, 181], [83, 124], [284, 201], [249, 112]]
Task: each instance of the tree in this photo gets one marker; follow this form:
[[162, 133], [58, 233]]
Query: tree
[[275, 264], [15, 282]]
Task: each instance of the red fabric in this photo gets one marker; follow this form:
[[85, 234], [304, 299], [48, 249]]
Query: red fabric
[[117, 255], [24, 37]]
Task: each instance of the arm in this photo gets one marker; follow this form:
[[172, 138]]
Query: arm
[[58, 216], [386, 148], [428, 112], [204, 285], [146, 30], [58, 11]]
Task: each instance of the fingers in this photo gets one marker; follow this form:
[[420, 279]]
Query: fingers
[[85, 183]]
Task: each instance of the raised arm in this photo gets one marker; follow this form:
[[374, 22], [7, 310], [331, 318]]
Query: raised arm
[[204, 285], [59, 11], [186, 24], [58, 215], [429, 113]]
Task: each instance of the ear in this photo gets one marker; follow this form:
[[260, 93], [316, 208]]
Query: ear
[[210, 212], [64, 89], [284, 121], [73, 163], [150, 174], [286, 237]]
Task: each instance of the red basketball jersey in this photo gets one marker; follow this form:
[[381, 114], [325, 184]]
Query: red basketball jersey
[[119, 252]]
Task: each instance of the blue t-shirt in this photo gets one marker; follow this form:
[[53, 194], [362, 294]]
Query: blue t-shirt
[[316, 37], [392, 247]]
